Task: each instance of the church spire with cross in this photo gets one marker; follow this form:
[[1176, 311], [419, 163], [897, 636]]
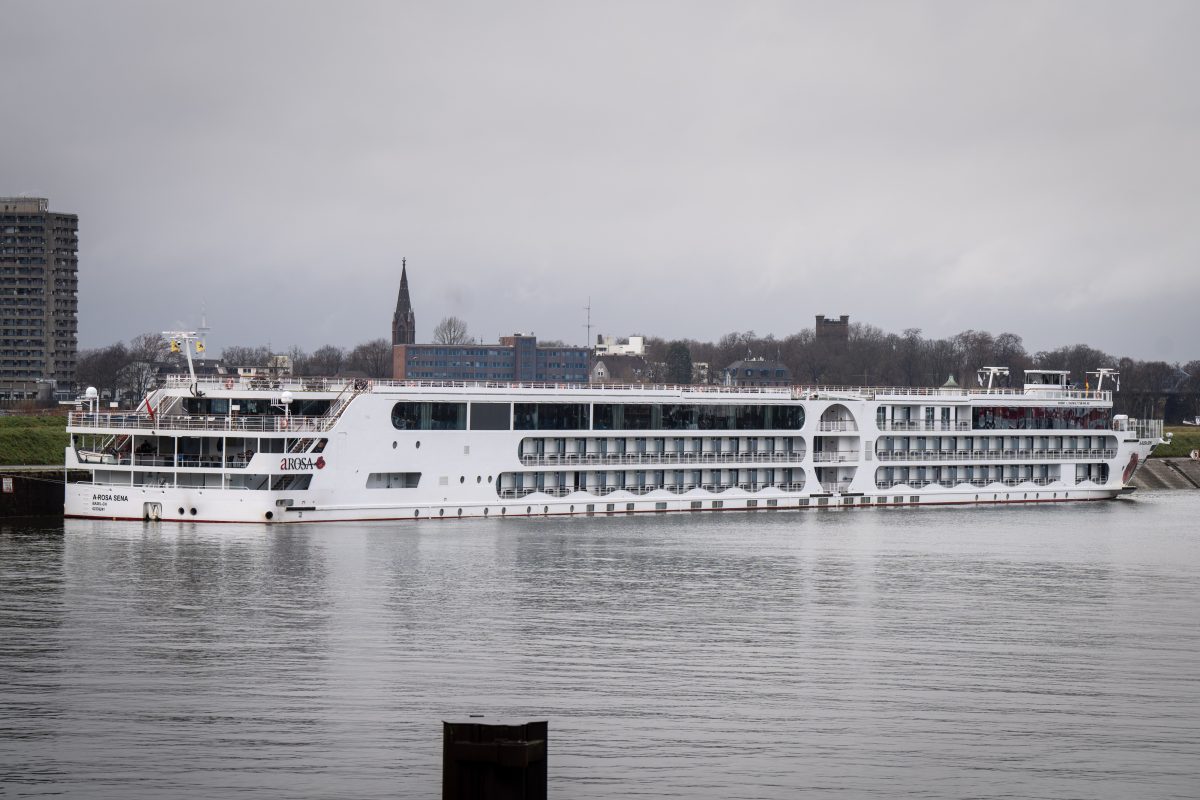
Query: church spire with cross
[[404, 322]]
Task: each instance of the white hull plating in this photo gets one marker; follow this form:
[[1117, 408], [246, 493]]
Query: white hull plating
[[390, 451]]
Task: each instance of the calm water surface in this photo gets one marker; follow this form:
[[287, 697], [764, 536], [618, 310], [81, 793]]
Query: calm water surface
[[940, 653]]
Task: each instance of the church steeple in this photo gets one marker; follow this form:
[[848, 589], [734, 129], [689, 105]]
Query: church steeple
[[404, 322]]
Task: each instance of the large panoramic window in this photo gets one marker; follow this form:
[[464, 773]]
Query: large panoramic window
[[550, 416], [1041, 418], [429, 416], [633, 417]]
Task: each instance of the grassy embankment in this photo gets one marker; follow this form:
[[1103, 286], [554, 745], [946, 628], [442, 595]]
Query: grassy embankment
[[1186, 439], [32, 440]]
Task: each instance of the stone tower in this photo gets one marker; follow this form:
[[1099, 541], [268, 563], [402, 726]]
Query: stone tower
[[404, 323]]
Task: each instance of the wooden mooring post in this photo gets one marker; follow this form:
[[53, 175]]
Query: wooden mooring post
[[485, 759]]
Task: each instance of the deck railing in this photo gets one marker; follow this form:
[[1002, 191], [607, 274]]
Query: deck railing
[[180, 422], [797, 392]]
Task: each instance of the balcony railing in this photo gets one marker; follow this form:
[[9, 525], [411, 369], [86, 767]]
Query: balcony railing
[[673, 488], [835, 457], [837, 425], [918, 425], [994, 455], [949, 483], [621, 459]]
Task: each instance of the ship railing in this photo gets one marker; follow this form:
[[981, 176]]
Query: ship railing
[[183, 422], [837, 425], [793, 392], [835, 486], [993, 455], [686, 459], [673, 488], [976, 482], [909, 425], [1146, 428], [838, 457]]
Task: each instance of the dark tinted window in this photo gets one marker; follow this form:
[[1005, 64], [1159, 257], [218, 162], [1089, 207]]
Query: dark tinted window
[[491, 416], [550, 416], [429, 416]]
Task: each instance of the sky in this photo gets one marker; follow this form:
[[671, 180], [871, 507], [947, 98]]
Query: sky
[[687, 169]]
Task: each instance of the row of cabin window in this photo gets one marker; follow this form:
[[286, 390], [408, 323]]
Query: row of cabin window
[[1041, 418], [428, 416]]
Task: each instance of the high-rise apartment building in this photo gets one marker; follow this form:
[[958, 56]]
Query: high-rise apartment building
[[39, 298]]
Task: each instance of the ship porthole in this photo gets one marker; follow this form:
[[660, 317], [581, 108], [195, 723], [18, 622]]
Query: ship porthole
[[528, 509], [193, 512], [460, 512], [572, 509], [489, 478], [418, 445], [181, 512], [416, 513], [503, 510], [462, 478], [485, 511], [394, 445], [441, 512], [479, 479], [545, 509], [270, 515]]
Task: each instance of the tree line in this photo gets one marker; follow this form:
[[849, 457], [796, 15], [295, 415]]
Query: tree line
[[866, 356]]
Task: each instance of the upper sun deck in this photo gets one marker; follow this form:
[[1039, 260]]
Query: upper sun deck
[[343, 391], [337, 386]]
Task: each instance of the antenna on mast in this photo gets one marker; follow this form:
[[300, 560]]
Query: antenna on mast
[[588, 309], [203, 329]]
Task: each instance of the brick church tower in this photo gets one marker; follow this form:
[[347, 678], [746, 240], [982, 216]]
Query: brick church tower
[[404, 323]]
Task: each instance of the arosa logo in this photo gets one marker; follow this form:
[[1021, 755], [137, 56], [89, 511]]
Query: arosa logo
[[293, 463]]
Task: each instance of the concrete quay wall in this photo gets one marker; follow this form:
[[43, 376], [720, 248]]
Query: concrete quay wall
[[1168, 473]]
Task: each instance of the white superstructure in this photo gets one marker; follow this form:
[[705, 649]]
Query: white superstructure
[[299, 450]]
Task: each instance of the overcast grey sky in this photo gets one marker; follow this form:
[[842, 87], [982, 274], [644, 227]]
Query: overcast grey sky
[[695, 168]]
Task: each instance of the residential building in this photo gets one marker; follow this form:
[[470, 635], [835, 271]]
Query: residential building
[[39, 303], [757, 372], [620, 369], [612, 346], [515, 358]]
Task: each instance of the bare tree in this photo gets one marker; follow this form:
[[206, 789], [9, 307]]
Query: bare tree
[[299, 360], [451, 330], [373, 358], [327, 360], [241, 356], [102, 367], [146, 352]]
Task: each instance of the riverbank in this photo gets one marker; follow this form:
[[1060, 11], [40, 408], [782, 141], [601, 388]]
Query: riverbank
[[30, 440]]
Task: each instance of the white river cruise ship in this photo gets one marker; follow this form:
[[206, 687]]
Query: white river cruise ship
[[311, 449]]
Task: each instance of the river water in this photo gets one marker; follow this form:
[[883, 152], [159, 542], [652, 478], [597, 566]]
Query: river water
[[1031, 652]]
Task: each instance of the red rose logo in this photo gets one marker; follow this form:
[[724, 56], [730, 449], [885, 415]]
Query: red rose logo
[[320, 462], [1129, 468]]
